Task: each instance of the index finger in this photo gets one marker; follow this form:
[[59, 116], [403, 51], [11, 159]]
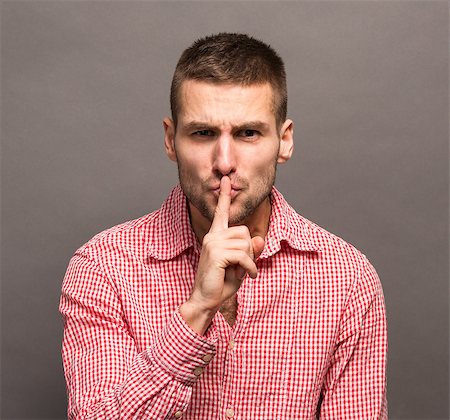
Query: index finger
[[222, 213]]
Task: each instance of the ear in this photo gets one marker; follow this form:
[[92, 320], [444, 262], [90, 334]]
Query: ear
[[169, 138], [286, 141]]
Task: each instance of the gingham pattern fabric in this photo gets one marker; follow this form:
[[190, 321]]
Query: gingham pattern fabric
[[309, 340]]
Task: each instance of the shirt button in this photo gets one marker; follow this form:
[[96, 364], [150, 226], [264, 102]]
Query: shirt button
[[207, 357], [178, 414], [231, 344], [230, 412], [198, 371]]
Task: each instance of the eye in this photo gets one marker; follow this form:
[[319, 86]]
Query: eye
[[204, 133], [249, 133]]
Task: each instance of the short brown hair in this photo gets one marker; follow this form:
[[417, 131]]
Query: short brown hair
[[231, 58]]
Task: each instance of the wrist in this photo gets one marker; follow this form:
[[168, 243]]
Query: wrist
[[196, 317]]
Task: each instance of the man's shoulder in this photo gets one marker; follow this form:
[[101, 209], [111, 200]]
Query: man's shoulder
[[162, 234], [327, 244], [130, 235], [338, 259]]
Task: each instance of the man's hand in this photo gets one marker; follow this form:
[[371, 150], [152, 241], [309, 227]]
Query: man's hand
[[228, 253]]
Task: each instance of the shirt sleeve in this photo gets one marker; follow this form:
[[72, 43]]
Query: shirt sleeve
[[106, 376], [355, 383]]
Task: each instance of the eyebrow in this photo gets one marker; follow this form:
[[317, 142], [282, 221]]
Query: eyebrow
[[252, 125]]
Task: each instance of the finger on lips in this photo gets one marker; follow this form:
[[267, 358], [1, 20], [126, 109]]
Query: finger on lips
[[222, 212], [237, 237]]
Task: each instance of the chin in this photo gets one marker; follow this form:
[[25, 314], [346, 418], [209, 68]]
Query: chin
[[241, 214]]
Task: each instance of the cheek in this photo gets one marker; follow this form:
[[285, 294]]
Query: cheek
[[193, 160], [261, 164]]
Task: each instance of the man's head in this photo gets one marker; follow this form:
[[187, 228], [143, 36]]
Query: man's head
[[230, 58], [229, 106]]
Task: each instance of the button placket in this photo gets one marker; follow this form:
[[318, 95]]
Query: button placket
[[228, 379]]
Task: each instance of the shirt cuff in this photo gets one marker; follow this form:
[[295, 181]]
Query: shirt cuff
[[182, 352]]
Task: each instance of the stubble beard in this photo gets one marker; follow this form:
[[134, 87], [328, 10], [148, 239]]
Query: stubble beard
[[197, 191]]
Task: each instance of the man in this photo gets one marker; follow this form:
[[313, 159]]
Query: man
[[224, 303]]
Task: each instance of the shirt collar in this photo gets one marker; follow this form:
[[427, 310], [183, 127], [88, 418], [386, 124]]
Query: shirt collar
[[172, 233], [286, 225]]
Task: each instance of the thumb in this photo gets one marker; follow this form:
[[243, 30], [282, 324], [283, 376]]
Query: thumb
[[258, 246]]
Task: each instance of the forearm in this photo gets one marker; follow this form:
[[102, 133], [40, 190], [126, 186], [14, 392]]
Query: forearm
[[157, 383], [107, 378], [146, 392]]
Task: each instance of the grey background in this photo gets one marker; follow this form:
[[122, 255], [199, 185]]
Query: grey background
[[84, 89]]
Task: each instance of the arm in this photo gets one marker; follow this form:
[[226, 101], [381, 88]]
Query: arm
[[355, 384], [106, 377]]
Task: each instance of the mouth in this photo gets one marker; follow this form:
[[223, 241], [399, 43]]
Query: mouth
[[234, 191]]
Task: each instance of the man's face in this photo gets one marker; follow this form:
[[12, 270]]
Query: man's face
[[226, 129]]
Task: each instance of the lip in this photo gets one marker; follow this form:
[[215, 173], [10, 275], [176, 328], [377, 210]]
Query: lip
[[217, 187], [234, 191]]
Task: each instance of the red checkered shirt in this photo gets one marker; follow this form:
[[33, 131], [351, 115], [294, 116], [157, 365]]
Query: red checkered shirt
[[309, 339]]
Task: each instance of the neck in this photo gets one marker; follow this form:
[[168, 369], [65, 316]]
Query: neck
[[257, 223]]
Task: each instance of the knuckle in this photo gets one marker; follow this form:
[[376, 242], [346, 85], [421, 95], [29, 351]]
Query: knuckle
[[244, 230], [244, 245], [244, 257], [209, 238], [209, 249], [241, 231]]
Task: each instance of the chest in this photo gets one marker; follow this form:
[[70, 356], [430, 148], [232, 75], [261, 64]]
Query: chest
[[275, 336], [292, 302], [229, 310]]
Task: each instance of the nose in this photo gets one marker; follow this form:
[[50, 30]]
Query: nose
[[224, 160]]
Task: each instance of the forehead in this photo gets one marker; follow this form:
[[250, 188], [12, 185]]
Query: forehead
[[225, 103]]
